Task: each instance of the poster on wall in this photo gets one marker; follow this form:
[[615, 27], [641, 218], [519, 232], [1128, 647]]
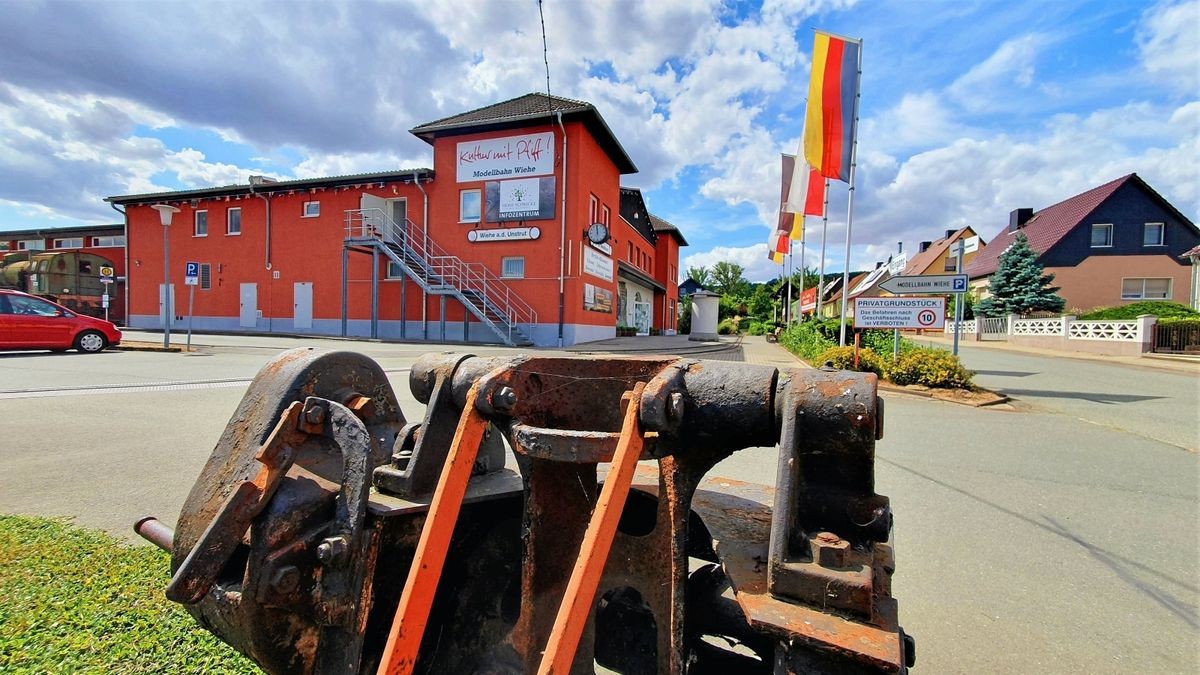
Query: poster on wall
[[597, 299], [597, 264], [520, 199], [510, 156]]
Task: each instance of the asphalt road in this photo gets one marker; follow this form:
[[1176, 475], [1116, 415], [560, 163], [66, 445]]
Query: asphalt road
[[1028, 540]]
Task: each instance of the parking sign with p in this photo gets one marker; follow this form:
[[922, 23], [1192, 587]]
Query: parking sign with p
[[191, 273]]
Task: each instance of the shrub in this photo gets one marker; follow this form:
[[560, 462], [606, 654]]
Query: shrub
[[1159, 308], [881, 342], [758, 328], [1172, 320], [726, 327], [806, 340], [843, 359], [930, 367]]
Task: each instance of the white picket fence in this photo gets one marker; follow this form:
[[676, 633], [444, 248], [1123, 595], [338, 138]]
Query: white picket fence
[[1066, 328]]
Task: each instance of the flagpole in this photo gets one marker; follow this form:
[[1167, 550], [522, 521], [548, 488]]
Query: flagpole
[[800, 297], [787, 303], [850, 199], [824, 230]]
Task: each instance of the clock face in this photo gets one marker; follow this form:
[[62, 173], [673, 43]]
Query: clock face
[[598, 233]]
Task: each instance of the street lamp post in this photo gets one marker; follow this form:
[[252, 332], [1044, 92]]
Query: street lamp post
[[164, 213]]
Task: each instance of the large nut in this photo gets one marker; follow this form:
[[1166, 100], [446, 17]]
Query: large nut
[[332, 551], [829, 550]]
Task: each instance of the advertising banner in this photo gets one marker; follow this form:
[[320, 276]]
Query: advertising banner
[[520, 199], [504, 234], [510, 156], [597, 299]]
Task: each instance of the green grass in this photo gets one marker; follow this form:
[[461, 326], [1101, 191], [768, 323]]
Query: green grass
[[78, 601]]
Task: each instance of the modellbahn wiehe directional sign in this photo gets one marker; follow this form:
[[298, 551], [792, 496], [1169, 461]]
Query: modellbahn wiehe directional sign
[[918, 312], [933, 283]]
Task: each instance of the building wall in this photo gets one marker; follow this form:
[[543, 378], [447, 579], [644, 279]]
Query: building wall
[[666, 264], [1127, 210], [114, 254], [310, 249], [1096, 282]]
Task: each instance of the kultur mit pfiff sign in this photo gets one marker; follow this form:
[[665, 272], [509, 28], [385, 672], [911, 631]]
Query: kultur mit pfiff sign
[[908, 312]]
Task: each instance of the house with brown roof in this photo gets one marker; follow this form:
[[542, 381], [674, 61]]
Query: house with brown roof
[[941, 256], [1118, 242]]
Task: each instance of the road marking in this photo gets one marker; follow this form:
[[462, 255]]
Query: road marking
[[136, 387]]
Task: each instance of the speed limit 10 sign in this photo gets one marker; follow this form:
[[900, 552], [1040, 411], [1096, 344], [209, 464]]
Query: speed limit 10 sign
[[900, 312]]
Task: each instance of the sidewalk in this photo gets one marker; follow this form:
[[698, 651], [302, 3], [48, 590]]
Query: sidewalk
[[1172, 362]]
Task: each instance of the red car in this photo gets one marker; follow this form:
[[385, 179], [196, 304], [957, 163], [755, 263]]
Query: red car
[[29, 322]]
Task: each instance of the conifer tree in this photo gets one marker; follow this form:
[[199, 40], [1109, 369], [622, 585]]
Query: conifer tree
[[1018, 286]]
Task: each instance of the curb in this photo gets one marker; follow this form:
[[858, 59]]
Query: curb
[[145, 347], [933, 393]]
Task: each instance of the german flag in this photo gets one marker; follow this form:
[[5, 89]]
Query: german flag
[[832, 90]]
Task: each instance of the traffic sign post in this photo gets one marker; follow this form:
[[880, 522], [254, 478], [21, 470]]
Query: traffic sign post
[[191, 277], [106, 278]]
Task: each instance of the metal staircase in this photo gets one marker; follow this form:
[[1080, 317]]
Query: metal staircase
[[482, 293]]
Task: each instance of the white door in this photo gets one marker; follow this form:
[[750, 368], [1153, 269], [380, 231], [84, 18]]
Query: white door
[[162, 308], [302, 304], [249, 304], [374, 209]]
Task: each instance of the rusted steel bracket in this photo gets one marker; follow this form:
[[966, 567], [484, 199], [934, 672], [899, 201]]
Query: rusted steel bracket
[[227, 528]]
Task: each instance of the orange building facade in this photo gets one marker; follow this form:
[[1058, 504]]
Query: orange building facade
[[490, 245]]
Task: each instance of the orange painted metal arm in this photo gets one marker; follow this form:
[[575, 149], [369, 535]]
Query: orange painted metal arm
[[597, 542], [404, 640]]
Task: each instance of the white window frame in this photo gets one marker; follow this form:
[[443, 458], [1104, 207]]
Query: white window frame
[[389, 267], [229, 221], [504, 271], [1162, 234], [1092, 235], [31, 245], [110, 241], [196, 223], [1142, 296], [462, 206], [69, 242], [307, 212]]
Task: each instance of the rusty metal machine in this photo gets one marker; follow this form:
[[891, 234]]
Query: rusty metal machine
[[327, 534]]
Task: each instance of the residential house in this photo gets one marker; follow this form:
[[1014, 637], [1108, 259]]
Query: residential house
[[941, 256], [1118, 242]]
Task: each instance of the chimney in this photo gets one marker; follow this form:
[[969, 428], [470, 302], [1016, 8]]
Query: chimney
[[925, 246], [949, 233], [1018, 218], [878, 265]]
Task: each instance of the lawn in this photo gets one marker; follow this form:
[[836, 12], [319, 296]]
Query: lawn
[[78, 601]]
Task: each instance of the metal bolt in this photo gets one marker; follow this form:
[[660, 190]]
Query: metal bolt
[[315, 414], [504, 399], [286, 580], [829, 550], [332, 551]]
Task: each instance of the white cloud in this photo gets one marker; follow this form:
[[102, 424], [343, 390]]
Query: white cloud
[[992, 81], [1167, 42]]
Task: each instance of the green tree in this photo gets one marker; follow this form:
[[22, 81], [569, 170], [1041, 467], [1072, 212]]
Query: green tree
[[700, 275], [1019, 286], [727, 279], [761, 302]]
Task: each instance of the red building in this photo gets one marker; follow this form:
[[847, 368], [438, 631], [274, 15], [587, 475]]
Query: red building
[[520, 233], [105, 241]]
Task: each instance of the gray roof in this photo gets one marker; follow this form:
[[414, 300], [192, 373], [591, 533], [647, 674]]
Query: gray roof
[[275, 186], [661, 225], [519, 111]]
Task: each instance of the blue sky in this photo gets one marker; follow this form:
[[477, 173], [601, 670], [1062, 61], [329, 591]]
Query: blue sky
[[968, 109]]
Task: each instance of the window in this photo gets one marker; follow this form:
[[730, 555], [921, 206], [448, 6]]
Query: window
[[233, 221], [512, 268], [311, 210], [205, 276], [593, 209], [394, 271], [200, 225], [951, 264], [629, 256], [1145, 289], [19, 304], [31, 245], [106, 242], [604, 214], [69, 242], [1101, 235], [1152, 235], [468, 206]]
